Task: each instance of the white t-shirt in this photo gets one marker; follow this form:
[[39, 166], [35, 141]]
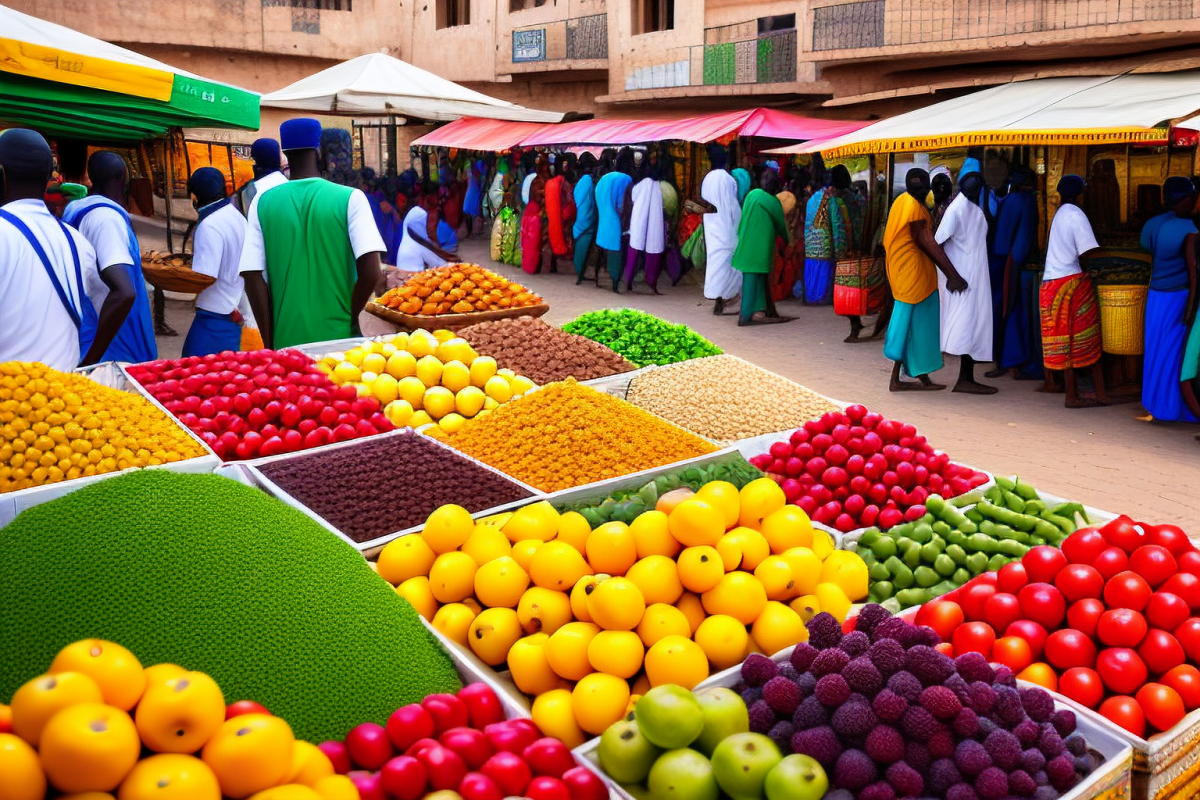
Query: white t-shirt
[[263, 185], [1070, 237], [106, 232], [412, 256], [35, 325], [364, 234], [217, 251]]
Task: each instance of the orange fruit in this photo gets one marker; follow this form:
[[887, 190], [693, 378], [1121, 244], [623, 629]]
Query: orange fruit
[[21, 776], [722, 495], [739, 594], [693, 609], [611, 548], [700, 568], [89, 747], [250, 753], [673, 498], [289, 791], [115, 670], [180, 714], [786, 528], [662, 620], [616, 604], [573, 529], [336, 787], [658, 579], [674, 659], [1042, 674], [41, 698], [759, 499], [170, 776], [652, 535], [697, 522], [161, 673]]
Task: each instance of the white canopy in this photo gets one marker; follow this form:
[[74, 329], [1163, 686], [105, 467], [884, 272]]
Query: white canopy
[[1076, 110], [379, 85]]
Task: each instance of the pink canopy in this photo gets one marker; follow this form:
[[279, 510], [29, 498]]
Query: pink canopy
[[473, 133]]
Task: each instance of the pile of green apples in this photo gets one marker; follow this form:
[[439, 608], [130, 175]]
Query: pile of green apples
[[683, 745]]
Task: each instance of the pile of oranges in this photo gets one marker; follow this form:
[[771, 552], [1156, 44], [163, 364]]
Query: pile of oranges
[[457, 289], [56, 426], [83, 728]]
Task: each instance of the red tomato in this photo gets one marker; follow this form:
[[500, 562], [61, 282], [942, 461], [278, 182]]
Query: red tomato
[[1161, 651], [1125, 712], [1031, 632], [1082, 685], [945, 648], [1187, 586], [1041, 674], [1001, 610], [1043, 604], [1171, 537], [1013, 652], [236, 709], [1162, 705], [941, 615], [1069, 648], [1077, 581], [1166, 611], [1084, 615], [1011, 577], [1185, 679], [1110, 562], [1154, 563], [1121, 627], [1127, 590], [1121, 669], [1082, 546], [1122, 532], [1043, 562], [1188, 635], [975, 637], [974, 598], [1190, 562]]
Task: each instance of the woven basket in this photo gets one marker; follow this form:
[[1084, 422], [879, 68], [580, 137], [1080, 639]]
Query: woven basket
[[451, 321], [175, 277], [1122, 319], [853, 294]]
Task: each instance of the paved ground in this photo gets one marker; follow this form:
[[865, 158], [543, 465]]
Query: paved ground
[[1102, 457]]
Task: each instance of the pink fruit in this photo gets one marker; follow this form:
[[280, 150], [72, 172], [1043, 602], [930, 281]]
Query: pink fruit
[[404, 778], [583, 784], [509, 771], [368, 784], [483, 706], [447, 712], [407, 724], [477, 786], [781, 450], [548, 756], [510, 737], [420, 744], [368, 745], [337, 754], [469, 743], [446, 767], [546, 788]]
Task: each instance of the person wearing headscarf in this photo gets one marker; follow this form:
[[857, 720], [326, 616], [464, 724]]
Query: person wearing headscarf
[[744, 182], [941, 187], [560, 215], [533, 219], [1171, 239], [267, 161], [988, 202], [762, 223], [966, 317], [102, 219], [826, 236], [647, 234], [914, 257], [473, 199], [1016, 327], [216, 252], [1069, 312], [719, 189], [610, 202], [418, 249], [584, 230]]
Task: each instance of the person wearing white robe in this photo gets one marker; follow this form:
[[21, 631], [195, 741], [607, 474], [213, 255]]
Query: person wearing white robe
[[967, 316], [722, 282], [647, 232], [417, 252]]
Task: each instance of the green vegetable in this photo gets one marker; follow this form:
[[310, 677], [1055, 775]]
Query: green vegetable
[[879, 572], [869, 537], [960, 576], [642, 338], [1013, 548], [944, 565], [913, 597], [997, 561], [977, 563], [930, 551], [956, 553], [892, 605], [922, 532], [882, 590], [902, 576], [926, 577], [884, 548], [203, 572], [912, 556]]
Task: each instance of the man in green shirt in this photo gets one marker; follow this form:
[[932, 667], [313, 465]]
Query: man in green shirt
[[311, 257], [762, 222]]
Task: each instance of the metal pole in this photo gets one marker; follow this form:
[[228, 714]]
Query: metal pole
[[169, 189]]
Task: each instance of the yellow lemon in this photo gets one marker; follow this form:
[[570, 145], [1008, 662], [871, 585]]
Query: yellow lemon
[[385, 389], [490, 404], [524, 551], [616, 604], [404, 558], [520, 385], [692, 608], [456, 349], [674, 659], [823, 544], [438, 401], [543, 611], [356, 356], [557, 565], [700, 568], [454, 620], [483, 368], [375, 362], [412, 391], [743, 548], [492, 633], [848, 571], [786, 528], [498, 389], [567, 649], [399, 341], [807, 606], [417, 592], [534, 521], [657, 577], [695, 522], [724, 640], [429, 370], [579, 595], [447, 528], [616, 653], [553, 715], [599, 700], [775, 574], [506, 373], [529, 668], [452, 577], [401, 364], [21, 774], [806, 569], [610, 548], [652, 535], [778, 627], [456, 376], [451, 422], [366, 384], [758, 500], [662, 620], [724, 496], [486, 544], [398, 412], [834, 600], [469, 401], [387, 349], [346, 372], [573, 529], [419, 419], [739, 594], [500, 583], [443, 335], [421, 343]]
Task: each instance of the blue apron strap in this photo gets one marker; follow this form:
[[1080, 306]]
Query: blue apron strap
[[64, 298]]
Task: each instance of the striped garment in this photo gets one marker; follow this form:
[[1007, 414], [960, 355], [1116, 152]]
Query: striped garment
[[1070, 323]]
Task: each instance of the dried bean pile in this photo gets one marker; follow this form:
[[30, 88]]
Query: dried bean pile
[[381, 486], [725, 398], [542, 352]]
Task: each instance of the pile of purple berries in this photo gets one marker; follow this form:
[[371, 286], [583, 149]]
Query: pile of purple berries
[[891, 717]]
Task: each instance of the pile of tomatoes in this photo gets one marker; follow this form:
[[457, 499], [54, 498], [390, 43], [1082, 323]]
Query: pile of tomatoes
[[1111, 621]]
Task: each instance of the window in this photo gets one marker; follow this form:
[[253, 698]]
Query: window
[[452, 13], [653, 15]]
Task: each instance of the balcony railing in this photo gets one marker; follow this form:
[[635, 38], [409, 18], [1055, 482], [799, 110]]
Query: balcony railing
[[578, 39], [731, 55]]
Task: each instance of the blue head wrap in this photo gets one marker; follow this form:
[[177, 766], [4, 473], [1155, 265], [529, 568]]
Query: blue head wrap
[[970, 165], [1071, 186], [208, 184], [265, 154], [302, 133], [25, 155], [1177, 188]]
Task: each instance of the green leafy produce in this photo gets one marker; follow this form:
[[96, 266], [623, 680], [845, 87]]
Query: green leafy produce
[[642, 338], [627, 504], [203, 572]]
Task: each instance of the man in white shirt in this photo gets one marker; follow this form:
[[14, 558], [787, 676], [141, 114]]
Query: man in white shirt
[[47, 269], [268, 172], [216, 252], [1070, 314]]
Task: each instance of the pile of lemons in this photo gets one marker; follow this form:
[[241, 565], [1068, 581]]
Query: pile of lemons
[[425, 377], [587, 620]]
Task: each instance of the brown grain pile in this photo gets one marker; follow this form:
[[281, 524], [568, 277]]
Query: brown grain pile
[[541, 352]]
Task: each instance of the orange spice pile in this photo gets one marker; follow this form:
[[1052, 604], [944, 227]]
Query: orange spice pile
[[457, 289]]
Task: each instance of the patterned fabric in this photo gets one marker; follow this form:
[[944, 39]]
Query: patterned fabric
[[1070, 323], [827, 227], [510, 230], [859, 286], [688, 226], [694, 250]]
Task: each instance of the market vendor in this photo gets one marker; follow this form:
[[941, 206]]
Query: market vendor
[[1069, 312], [1016, 332], [913, 258], [719, 190], [610, 202], [584, 229], [102, 219], [216, 252], [418, 249], [763, 221], [267, 161], [311, 257]]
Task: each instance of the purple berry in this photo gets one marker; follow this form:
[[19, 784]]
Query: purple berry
[[1051, 744], [820, 743], [824, 631], [782, 734], [1063, 721], [885, 744], [941, 744], [906, 685], [941, 702], [757, 669], [992, 784], [916, 755], [1028, 732], [961, 791], [750, 696], [887, 655], [974, 667], [1008, 710], [786, 670], [983, 697], [855, 643], [803, 655], [1005, 677], [889, 706], [862, 675], [1061, 771], [832, 690], [928, 665], [1032, 761], [971, 758], [854, 770], [942, 775], [853, 719], [829, 662], [782, 695], [1021, 783], [919, 724], [876, 791], [895, 628], [1045, 792], [810, 714], [956, 684], [806, 682], [1037, 703], [762, 718], [869, 618], [1076, 744], [1004, 748], [905, 780], [966, 723]]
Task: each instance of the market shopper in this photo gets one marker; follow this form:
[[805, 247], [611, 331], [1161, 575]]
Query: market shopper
[[1016, 328], [1069, 313], [827, 235], [1171, 239], [419, 248], [311, 257], [584, 229], [102, 219], [719, 190], [560, 215], [47, 269], [913, 257], [216, 252], [610, 202], [533, 219], [763, 221], [966, 317], [941, 187], [647, 233], [267, 160]]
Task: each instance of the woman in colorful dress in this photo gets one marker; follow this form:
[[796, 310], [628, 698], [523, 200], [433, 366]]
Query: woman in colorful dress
[[827, 233]]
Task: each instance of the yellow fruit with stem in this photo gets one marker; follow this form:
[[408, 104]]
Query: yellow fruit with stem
[[722, 495], [695, 522], [739, 594], [657, 577], [700, 568], [662, 620], [743, 548], [573, 529], [807, 606], [652, 535], [616, 605], [598, 701], [758, 500], [674, 659], [447, 528], [492, 633], [403, 558], [486, 543], [616, 653], [543, 610], [579, 595], [530, 668], [454, 621], [567, 649], [775, 574], [501, 582], [557, 565], [724, 640], [786, 528], [806, 569], [611, 549]]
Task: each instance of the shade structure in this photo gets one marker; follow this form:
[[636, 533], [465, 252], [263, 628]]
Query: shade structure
[[379, 85], [487, 135], [1061, 111], [65, 83]]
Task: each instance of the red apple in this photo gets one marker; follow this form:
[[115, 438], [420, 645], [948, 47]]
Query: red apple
[[483, 706], [409, 723], [368, 745], [446, 767], [583, 784], [447, 712], [548, 756], [470, 744], [509, 771], [338, 755], [477, 786], [404, 778]]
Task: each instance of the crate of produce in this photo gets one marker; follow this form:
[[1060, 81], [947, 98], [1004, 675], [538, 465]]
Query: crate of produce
[[641, 338], [545, 354], [371, 491], [811, 734], [455, 296]]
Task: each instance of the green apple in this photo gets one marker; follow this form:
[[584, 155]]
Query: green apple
[[797, 777], [741, 762], [669, 716], [682, 775], [625, 754], [724, 715]]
